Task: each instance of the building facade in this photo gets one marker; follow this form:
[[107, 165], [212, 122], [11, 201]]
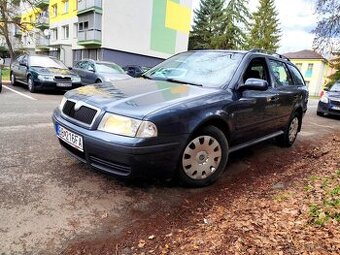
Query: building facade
[[314, 68], [140, 32]]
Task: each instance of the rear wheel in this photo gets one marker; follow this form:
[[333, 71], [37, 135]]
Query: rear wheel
[[204, 157], [31, 86], [290, 134]]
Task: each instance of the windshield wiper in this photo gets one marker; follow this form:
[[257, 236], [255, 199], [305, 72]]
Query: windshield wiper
[[185, 82], [146, 77]]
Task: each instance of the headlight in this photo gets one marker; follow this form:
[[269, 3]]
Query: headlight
[[62, 103], [120, 125], [76, 79], [324, 99], [45, 77]]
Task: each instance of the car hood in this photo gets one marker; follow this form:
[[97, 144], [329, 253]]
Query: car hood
[[114, 77], [137, 97], [333, 95], [52, 71]]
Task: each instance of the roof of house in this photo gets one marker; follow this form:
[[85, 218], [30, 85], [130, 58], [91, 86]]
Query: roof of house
[[304, 54]]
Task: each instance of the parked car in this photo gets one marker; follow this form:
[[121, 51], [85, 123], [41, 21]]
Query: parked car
[[187, 115], [42, 72], [329, 103], [135, 70], [92, 71]]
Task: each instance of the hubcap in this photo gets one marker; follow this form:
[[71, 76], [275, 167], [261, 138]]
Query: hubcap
[[201, 157], [293, 129], [12, 78], [30, 83]]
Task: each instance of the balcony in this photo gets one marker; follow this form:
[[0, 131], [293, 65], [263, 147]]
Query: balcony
[[42, 42], [42, 4], [42, 22], [90, 37], [89, 6]]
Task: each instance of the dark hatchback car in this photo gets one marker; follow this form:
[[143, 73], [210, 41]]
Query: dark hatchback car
[[43, 73], [186, 116], [329, 103], [91, 71]]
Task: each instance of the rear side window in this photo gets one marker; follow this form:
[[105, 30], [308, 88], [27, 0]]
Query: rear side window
[[297, 77], [280, 73]]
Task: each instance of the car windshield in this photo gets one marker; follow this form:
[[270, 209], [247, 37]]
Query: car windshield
[[47, 62], [203, 68], [109, 68], [335, 87]]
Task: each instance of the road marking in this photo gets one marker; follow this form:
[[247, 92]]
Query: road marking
[[324, 126], [19, 93], [26, 127]]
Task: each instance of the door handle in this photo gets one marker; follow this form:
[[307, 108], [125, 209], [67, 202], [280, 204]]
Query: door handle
[[273, 99]]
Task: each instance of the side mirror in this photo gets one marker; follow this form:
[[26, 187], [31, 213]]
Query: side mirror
[[91, 69], [255, 84]]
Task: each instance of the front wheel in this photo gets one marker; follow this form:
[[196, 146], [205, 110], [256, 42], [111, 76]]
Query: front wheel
[[290, 134], [204, 157], [31, 85], [13, 80]]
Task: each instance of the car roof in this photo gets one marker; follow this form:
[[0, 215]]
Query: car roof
[[251, 52]]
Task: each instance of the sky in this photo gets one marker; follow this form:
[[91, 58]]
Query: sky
[[297, 20]]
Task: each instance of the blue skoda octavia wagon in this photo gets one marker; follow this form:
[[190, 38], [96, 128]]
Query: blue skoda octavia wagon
[[185, 116]]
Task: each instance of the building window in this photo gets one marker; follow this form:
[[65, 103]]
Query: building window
[[83, 25], [299, 66], [66, 6], [54, 34], [66, 32], [309, 71], [55, 10]]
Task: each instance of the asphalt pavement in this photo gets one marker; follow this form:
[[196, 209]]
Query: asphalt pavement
[[48, 199]]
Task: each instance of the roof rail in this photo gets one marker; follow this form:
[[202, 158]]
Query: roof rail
[[281, 56]]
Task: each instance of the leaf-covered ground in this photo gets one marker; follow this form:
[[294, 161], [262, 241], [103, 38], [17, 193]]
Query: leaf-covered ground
[[301, 217], [286, 204]]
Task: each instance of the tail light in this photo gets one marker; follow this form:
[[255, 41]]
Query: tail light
[[322, 93]]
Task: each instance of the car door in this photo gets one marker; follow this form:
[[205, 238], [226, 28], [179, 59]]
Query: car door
[[22, 69], [289, 93], [256, 111], [81, 69], [15, 66]]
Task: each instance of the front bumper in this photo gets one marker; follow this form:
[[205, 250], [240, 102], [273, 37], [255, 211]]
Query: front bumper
[[328, 108], [124, 156], [52, 85]]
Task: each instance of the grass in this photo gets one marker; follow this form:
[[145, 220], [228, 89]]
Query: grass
[[325, 206], [5, 74]]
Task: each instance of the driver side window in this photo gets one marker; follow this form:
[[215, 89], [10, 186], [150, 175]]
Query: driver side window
[[256, 69]]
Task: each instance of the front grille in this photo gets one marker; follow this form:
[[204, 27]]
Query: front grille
[[109, 166], [62, 79], [84, 114], [335, 102]]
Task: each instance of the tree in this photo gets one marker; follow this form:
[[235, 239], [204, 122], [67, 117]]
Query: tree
[[264, 31], [327, 31], [207, 24], [235, 24], [9, 18]]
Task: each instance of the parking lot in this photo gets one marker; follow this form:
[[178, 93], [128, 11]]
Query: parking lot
[[50, 201]]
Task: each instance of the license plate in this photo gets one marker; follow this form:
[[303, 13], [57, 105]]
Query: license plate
[[64, 84], [69, 137], [337, 108]]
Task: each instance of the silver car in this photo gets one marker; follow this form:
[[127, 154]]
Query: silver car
[[91, 71]]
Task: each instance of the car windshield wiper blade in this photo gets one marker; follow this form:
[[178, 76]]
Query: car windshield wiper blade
[[185, 82], [147, 77]]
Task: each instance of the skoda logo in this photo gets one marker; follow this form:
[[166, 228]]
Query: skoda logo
[[78, 105]]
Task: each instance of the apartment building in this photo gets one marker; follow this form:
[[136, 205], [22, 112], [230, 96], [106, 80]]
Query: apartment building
[[314, 68], [140, 32]]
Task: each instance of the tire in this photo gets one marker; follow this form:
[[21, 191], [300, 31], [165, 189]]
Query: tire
[[13, 80], [204, 157], [320, 114], [0, 86], [31, 86], [291, 131]]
